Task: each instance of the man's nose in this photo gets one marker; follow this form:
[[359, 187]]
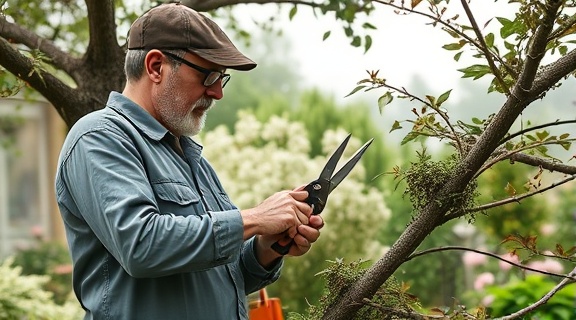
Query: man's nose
[[215, 91]]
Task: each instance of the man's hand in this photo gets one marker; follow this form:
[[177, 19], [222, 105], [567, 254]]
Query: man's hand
[[282, 212], [283, 216], [307, 234]]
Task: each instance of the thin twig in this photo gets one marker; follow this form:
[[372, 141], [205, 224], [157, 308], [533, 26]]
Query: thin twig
[[509, 200], [444, 117], [453, 29], [508, 155], [545, 125], [569, 276], [484, 47]]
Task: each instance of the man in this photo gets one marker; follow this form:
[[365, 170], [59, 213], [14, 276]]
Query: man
[[151, 231]]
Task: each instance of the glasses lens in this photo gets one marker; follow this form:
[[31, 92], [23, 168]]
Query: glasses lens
[[225, 79], [211, 78]]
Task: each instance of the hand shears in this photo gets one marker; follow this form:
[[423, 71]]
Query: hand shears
[[319, 189]]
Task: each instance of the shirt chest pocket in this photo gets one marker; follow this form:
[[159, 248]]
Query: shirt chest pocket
[[176, 198]]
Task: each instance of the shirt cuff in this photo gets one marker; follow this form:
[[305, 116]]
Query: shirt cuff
[[251, 262], [228, 230]]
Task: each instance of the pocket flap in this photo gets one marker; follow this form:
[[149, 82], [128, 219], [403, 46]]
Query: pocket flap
[[175, 192]]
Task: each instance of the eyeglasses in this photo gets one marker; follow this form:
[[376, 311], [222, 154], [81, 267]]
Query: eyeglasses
[[210, 76]]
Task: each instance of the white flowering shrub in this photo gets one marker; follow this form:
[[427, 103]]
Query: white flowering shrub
[[22, 297], [260, 159]]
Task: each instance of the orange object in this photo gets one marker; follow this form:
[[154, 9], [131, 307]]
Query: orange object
[[265, 308]]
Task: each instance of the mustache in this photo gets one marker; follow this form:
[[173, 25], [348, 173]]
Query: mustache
[[204, 103]]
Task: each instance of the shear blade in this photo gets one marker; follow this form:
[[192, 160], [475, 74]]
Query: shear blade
[[345, 170], [333, 161]]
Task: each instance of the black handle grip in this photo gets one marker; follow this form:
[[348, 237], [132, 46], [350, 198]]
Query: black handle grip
[[282, 249]]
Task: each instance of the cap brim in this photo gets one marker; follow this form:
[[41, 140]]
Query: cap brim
[[229, 58]]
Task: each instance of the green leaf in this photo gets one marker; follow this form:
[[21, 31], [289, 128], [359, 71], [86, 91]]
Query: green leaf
[[356, 41], [542, 135], [443, 97], [511, 27], [475, 71], [409, 137], [396, 126], [564, 136], [367, 25], [326, 35], [457, 56], [477, 121], [348, 31], [293, 12], [489, 40], [384, 100], [367, 43], [454, 46], [358, 88]]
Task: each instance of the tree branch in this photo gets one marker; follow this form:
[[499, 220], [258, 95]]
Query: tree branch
[[484, 47], [545, 125], [103, 47], [536, 52], [544, 163], [509, 200], [202, 5], [552, 73], [22, 67], [16, 34], [571, 276], [509, 154], [450, 27]]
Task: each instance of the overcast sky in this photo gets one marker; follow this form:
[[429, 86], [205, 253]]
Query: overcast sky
[[403, 47]]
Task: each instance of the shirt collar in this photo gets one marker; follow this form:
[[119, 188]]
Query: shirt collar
[[139, 117]]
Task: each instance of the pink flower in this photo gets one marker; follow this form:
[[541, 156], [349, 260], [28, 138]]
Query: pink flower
[[508, 257], [547, 229], [487, 300], [548, 265], [37, 231], [63, 269], [472, 259], [483, 279]]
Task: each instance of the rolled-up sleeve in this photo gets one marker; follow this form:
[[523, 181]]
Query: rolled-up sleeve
[[255, 275]]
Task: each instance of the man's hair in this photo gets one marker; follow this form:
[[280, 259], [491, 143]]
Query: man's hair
[[134, 62]]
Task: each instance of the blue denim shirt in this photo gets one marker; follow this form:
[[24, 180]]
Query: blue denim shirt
[[151, 232]]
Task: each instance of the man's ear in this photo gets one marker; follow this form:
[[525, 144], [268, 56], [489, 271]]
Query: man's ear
[[154, 66]]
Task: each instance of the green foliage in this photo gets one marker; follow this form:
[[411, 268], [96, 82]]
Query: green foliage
[[53, 20], [51, 259], [9, 84], [23, 297], [519, 294], [390, 300], [9, 125], [425, 177]]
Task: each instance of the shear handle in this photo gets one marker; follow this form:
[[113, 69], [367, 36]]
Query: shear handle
[[317, 204]]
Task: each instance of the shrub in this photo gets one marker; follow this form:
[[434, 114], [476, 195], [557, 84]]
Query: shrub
[[519, 294], [23, 297]]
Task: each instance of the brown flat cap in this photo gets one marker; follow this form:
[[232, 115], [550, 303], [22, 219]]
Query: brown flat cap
[[176, 26]]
